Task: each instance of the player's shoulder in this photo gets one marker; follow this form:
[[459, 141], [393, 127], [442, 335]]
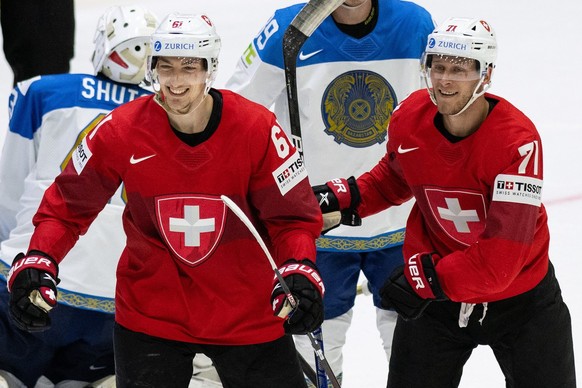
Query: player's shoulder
[[416, 101], [409, 112], [233, 100], [405, 7], [269, 41], [285, 15], [137, 108], [245, 111], [406, 15], [54, 84], [506, 115], [33, 98], [130, 122], [275, 27], [61, 91], [404, 18]]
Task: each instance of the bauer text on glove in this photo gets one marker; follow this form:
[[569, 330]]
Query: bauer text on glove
[[307, 289], [32, 284], [338, 200], [411, 287]]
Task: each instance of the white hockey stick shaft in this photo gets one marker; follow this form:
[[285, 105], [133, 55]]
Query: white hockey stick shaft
[[245, 220]]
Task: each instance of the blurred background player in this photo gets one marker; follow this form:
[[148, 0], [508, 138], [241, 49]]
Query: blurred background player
[[38, 36], [49, 116], [191, 278], [351, 73]]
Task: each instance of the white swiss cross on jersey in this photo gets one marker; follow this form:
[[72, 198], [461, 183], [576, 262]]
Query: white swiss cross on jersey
[[460, 214], [191, 225]]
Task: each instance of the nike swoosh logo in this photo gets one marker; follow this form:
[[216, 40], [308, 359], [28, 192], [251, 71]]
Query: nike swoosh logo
[[405, 150], [134, 160], [304, 57], [92, 367]]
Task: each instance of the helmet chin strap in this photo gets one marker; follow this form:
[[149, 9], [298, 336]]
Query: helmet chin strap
[[159, 98], [475, 94]]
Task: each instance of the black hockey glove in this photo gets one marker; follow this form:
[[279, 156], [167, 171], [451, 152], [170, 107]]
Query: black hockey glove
[[307, 289], [338, 200], [32, 284], [411, 287]]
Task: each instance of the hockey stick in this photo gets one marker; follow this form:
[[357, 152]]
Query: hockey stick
[[307, 369], [243, 217], [301, 28], [361, 289]]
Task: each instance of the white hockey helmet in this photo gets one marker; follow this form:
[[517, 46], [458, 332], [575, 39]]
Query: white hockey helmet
[[186, 36], [462, 38], [122, 43]]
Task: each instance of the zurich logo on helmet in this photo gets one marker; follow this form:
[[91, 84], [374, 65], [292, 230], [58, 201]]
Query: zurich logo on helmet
[[431, 43], [157, 45]]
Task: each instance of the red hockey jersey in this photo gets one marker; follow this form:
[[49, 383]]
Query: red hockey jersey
[[191, 271], [478, 200]]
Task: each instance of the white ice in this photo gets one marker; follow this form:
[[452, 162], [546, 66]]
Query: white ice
[[537, 70]]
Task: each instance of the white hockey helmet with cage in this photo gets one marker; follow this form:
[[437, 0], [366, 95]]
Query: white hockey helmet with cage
[[459, 37], [185, 36], [122, 43]]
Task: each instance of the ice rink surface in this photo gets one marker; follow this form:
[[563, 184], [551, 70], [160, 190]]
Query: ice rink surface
[[537, 70]]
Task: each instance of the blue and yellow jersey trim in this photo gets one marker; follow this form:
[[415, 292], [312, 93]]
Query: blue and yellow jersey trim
[[74, 299], [360, 244]]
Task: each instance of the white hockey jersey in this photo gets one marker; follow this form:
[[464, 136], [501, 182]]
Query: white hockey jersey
[[49, 116], [347, 90]]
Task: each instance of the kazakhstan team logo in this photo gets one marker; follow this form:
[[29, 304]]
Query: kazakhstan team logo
[[356, 108]]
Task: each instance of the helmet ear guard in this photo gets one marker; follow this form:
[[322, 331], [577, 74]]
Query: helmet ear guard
[[463, 38], [122, 43], [187, 36]]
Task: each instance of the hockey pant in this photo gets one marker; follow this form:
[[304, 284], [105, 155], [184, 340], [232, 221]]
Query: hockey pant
[[530, 335], [144, 360]]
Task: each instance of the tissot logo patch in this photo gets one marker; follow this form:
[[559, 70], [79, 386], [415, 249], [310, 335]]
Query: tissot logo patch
[[290, 173], [191, 225], [518, 189], [81, 156], [461, 214]]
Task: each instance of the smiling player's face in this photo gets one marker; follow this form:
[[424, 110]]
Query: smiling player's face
[[182, 82], [453, 80]]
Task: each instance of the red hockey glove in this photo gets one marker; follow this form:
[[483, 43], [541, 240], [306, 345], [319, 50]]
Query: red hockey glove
[[410, 288], [338, 200], [307, 289], [32, 284]]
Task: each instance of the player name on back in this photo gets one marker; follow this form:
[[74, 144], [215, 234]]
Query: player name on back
[[108, 91]]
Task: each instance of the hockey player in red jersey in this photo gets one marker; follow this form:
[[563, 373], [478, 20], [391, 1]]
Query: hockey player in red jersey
[[192, 278], [477, 270]]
